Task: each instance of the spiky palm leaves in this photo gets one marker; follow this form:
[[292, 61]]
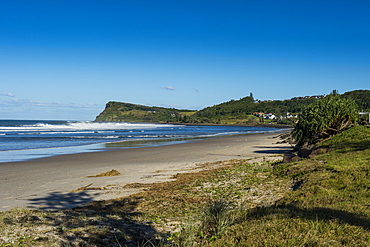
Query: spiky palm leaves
[[324, 118]]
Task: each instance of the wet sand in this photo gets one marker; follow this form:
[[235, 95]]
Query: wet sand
[[47, 183]]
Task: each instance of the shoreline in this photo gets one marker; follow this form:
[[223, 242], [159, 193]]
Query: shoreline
[[275, 126], [30, 154], [47, 183]]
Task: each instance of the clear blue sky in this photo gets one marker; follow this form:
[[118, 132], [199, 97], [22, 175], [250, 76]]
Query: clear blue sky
[[65, 59]]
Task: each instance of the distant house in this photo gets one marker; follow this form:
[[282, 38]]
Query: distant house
[[269, 116], [364, 114], [289, 115], [309, 97], [265, 115]]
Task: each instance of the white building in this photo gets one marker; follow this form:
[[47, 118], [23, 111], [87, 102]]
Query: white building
[[269, 116]]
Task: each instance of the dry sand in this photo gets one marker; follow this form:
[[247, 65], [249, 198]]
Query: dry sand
[[52, 183]]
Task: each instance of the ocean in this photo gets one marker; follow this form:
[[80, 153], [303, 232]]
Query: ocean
[[22, 140]]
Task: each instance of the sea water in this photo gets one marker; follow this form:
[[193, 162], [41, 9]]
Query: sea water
[[28, 139]]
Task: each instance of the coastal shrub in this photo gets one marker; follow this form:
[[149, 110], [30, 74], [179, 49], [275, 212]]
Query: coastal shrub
[[324, 118]]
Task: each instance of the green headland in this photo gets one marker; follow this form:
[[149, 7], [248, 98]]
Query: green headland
[[246, 111]]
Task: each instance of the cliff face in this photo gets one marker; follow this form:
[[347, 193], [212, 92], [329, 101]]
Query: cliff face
[[101, 116]]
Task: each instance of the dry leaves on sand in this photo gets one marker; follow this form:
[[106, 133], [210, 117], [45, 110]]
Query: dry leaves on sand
[[111, 173]]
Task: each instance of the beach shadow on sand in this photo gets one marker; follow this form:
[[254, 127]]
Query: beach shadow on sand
[[57, 201], [273, 150], [107, 223]]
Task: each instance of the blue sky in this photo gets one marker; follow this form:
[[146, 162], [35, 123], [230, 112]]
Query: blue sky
[[66, 59]]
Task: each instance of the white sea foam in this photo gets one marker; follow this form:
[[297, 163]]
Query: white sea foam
[[82, 126], [94, 137], [55, 136]]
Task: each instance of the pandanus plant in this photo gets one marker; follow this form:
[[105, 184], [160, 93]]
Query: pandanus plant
[[324, 118]]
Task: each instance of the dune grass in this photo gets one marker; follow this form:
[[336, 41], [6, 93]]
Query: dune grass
[[328, 205], [321, 201]]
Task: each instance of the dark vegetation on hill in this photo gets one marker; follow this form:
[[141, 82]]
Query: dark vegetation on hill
[[231, 112], [361, 98], [241, 111], [126, 112]]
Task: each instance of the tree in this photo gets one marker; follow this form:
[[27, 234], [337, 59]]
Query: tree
[[324, 118], [335, 92]]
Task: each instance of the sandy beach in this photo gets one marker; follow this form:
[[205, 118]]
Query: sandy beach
[[52, 183]]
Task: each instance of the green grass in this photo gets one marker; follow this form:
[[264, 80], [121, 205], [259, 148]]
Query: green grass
[[321, 201], [329, 206]]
